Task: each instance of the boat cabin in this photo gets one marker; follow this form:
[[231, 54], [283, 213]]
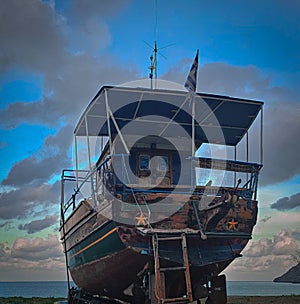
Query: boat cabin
[[137, 140]]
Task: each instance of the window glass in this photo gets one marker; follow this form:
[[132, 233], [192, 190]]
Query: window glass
[[163, 164], [144, 162]]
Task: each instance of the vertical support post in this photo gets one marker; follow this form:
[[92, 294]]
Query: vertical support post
[[193, 126], [123, 178], [63, 227], [88, 142], [108, 121], [247, 151], [247, 146], [193, 171], [261, 134], [89, 159], [234, 181], [76, 161], [101, 145]]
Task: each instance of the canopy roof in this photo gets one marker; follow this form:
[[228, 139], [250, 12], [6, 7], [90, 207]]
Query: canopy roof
[[217, 119]]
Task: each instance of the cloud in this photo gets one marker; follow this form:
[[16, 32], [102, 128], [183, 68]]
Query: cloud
[[52, 157], [19, 203], [38, 225], [281, 150], [268, 258], [7, 225], [259, 248], [91, 8], [67, 92], [287, 203], [32, 259], [296, 234], [283, 243], [32, 34], [265, 219], [37, 249], [4, 251], [37, 38], [280, 146]]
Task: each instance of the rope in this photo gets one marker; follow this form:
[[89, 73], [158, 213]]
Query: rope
[[133, 194]]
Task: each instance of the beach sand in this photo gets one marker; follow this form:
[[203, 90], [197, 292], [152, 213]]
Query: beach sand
[[264, 300], [231, 300]]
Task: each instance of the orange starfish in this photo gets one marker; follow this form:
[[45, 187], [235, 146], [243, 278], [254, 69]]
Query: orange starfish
[[232, 225], [141, 220]]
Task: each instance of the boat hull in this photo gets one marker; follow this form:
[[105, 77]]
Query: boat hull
[[109, 258]]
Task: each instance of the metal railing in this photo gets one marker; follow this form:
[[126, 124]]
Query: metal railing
[[82, 177]]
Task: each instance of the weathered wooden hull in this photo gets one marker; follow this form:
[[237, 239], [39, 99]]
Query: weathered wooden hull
[[106, 257]]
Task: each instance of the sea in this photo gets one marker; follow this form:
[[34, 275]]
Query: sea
[[58, 289]]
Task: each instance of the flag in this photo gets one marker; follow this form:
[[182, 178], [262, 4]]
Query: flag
[[191, 80]]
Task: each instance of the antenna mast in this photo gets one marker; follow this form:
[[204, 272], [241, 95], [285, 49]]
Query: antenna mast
[[153, 57], [153, 67]]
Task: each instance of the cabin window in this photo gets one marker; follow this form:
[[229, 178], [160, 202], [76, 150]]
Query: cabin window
[[163, 163], [144, 162]]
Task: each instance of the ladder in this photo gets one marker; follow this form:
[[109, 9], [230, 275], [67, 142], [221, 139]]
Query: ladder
[[159, 278]]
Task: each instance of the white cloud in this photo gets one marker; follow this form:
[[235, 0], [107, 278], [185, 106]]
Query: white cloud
[[37, 249], [32, 259], [265, 259]]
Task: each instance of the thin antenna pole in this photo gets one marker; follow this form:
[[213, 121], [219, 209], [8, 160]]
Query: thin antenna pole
[[155, 46], [153, 57], [155, 65], [155, 23]]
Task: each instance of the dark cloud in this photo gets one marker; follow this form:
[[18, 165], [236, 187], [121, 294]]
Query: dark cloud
[[67, 92], [38, 39], [51, 160], [7, 225], [281, 150], [31, 34], [281, 112], [38, 225], [4, 250], [20, 202], [85, 23], [90, 8], [265, 219], [287, 203]]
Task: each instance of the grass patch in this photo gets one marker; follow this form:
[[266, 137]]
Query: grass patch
[[34, 300]]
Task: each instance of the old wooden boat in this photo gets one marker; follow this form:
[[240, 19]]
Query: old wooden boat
[[162, 204]]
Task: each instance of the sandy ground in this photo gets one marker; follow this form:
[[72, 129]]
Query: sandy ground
[[261, 300], [264, 300], [231, 300]]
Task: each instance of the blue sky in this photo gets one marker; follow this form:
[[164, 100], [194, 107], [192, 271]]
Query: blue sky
[[54, 57]]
